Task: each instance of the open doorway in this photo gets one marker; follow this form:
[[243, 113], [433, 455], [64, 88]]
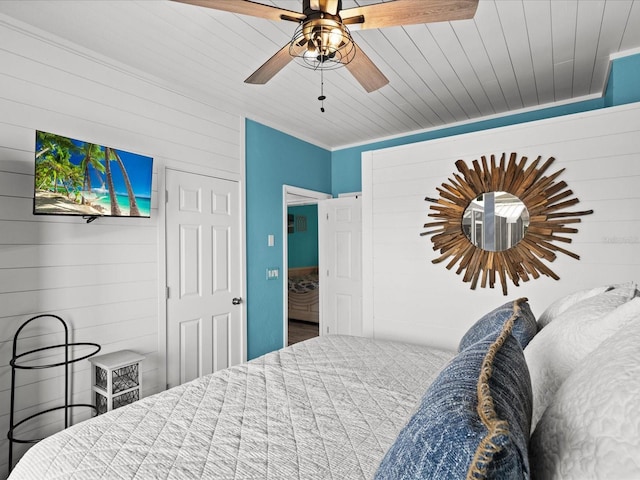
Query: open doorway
[[294, 197]]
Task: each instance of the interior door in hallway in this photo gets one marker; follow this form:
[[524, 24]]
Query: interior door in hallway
[[205, 330], [340, 265]]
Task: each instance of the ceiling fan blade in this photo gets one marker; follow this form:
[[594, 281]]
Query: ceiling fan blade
[[328, 6], [408, 12], [272, 66], [246, 7], [365, 71]]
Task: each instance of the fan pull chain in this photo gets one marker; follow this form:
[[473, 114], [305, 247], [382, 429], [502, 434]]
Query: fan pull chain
[[322, 98]]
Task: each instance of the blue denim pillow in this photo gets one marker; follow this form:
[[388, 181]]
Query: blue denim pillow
[[524, 328], [450, 437]]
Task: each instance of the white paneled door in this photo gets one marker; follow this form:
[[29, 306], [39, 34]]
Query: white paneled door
[[204, 308], [340, 265]]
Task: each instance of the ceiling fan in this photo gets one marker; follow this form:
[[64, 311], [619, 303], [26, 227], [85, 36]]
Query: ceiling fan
[[322, 40]]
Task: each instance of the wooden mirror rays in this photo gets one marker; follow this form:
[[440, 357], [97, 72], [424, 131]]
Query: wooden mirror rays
[[545, 199]]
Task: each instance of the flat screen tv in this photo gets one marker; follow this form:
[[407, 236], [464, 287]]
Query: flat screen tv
[[73, 177]]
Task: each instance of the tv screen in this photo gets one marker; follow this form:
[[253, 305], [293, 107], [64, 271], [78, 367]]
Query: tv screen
[[73, 177]]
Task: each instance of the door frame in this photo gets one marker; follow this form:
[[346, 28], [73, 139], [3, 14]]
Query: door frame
[[162, 255], [292, 196]]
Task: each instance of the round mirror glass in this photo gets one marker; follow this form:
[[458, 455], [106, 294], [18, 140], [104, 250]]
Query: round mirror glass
[[495, 221]]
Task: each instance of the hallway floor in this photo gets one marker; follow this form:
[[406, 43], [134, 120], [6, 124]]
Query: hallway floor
[[299, 331]]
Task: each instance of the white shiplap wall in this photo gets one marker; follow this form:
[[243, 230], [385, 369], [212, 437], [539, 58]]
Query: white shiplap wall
[[103, 278], [407, 297]]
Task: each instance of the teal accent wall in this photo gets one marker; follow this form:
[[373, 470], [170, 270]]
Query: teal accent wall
[[302, 247], [624, 81], [273, 159]]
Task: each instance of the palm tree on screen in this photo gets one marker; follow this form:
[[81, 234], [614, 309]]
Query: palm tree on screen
[[53, 166], [50, 141], [72, 182], [115, 208], [55, 170], [93, 155], [133, 204]]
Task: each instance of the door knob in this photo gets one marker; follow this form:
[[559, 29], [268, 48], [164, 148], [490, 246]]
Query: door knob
[[236, 301]]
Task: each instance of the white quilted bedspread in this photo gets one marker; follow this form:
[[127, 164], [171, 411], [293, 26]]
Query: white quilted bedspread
[[324, 409]]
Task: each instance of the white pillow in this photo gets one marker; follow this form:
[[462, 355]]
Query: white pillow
[[560, 346], [592, 427], [564, 303]]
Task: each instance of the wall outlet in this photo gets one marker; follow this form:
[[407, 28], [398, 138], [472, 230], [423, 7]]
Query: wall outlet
[[273, 273]]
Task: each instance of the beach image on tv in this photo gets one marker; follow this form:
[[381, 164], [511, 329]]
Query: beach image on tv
[[73, 177]]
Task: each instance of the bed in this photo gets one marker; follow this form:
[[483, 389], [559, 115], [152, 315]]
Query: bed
[[322, 409], [554, 397], [303, 294]]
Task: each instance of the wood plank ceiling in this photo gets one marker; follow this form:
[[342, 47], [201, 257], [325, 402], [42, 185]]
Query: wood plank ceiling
[[514, 54]]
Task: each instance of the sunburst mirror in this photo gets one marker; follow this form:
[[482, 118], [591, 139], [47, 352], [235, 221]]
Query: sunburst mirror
[[502, 219]]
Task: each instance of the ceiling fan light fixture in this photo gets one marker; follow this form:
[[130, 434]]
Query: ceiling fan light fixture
[[327, 44], [323, 42]]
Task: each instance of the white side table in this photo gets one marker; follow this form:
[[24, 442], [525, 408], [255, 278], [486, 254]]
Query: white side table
[[116, 379]]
